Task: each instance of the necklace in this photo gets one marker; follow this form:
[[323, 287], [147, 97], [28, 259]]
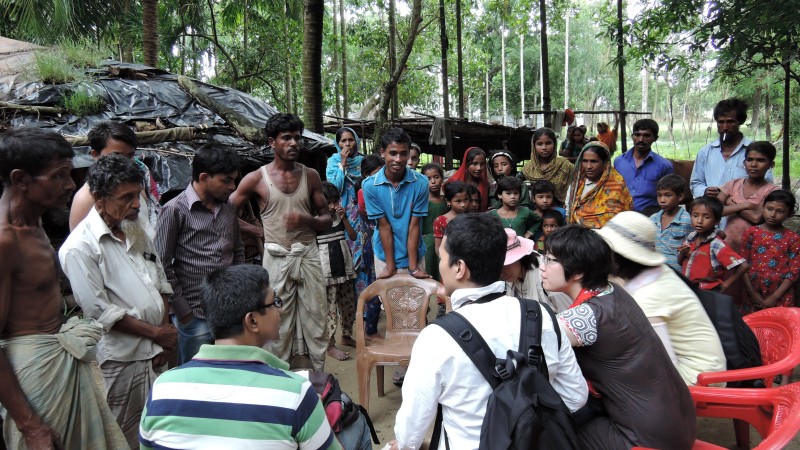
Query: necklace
[[509, 222]]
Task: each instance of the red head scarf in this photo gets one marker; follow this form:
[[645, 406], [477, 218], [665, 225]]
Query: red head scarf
[[483, 184]]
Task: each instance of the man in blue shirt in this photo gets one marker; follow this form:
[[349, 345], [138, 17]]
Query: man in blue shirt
[[641, 168], [397, 197], [723, 159]]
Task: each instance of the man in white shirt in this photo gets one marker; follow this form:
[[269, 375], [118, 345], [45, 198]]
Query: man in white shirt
[[472, 255], [118, 280]]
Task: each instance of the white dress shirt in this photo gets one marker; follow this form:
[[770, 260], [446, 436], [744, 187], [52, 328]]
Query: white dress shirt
[[111, 278], [440, 372]]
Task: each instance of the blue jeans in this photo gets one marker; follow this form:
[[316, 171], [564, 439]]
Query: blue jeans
[[190, 337]]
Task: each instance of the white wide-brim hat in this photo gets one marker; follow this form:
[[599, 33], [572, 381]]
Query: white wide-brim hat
[[633, 236]]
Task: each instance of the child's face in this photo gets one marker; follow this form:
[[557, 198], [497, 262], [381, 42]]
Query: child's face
[[510, 199], [434, 181], [477, 167], [544, 147], [549, 226], [459, 204], [775, 213], [332, 205], [703, 219], [543, 201], [757, 164], [577, 135], [668, 199], [474, 202], [501, 166], [413, 159]]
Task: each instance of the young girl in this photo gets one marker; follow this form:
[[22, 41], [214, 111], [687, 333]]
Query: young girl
[[436, 207], [519, 218], [458, 199], [413, 156], [546, 165], [474, 199], [551, 221], [772, 251], [742, 197], [337, 267], [502, 164], [575, 144], [473, 171]]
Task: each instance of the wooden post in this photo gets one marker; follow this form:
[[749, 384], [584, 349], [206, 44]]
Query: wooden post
[[448, 147], [621, 71], [546, 104]]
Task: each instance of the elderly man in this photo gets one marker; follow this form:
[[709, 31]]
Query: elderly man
[[48, 393], [118, 280], [241, 395]]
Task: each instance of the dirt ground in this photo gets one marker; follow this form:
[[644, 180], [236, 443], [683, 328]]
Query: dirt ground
[[384, 409]]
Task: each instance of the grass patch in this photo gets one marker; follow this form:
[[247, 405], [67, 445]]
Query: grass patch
[[82, 103], [51, 68]]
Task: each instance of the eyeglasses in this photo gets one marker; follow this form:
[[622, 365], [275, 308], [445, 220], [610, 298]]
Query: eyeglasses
[[276, 302], [547, 260]]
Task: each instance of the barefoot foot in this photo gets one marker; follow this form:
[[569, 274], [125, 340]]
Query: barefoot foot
[[334, 352]]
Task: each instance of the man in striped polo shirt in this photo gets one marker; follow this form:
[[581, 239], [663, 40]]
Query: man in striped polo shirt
[[234, 394]]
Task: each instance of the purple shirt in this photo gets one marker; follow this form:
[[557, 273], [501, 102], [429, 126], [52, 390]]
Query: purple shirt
[[641, 181]]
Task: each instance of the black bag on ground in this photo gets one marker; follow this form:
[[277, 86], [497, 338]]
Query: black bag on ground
[[524, 411], [340, 410], [738, 341]]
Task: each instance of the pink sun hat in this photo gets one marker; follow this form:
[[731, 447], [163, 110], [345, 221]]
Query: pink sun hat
[[517, 247]]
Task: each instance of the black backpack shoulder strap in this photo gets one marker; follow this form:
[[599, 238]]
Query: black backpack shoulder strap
[[473, 344], [530, 334], [556, 328]]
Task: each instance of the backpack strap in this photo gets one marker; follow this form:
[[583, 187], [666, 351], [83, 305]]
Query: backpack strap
[[473, 344]]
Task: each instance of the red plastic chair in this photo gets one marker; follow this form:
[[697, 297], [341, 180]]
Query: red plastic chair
[[773, 412]]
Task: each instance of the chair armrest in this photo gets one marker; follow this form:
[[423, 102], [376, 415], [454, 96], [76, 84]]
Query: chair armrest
[[767, 372]]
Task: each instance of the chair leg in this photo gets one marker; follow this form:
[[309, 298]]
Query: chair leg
[[364, 371], [742, 431], [379, 379]]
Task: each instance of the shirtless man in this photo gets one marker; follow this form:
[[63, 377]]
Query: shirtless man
[[35, 168], [293, 208]]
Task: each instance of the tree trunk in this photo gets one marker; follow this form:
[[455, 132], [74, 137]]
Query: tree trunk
[[381, 119], [125, 35], [521, 74], [756, 110], [645, 82], [623, 130], [566, 62], [503, 69], [786, 183], [335, 64], [655, 95], [287, 74], [445, 46], [546, 105], [671, 123], [767, 118], [150, 32], [342, 30], [459, 57], [393, 54], [486, 97], [314, 11]]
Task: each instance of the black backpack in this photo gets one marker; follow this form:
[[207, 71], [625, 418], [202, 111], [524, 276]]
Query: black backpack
[[524, 411], [738, 341]]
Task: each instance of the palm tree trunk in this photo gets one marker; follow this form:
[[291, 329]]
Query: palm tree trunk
[[342, 30], [150, 32], [314, 11], [287, 74]]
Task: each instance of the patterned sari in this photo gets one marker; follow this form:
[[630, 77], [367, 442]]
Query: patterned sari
[[557, 172]]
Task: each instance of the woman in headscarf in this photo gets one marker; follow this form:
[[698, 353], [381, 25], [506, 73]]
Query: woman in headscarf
[[344, 172], [545, 164], [473, 171], [597, 192]]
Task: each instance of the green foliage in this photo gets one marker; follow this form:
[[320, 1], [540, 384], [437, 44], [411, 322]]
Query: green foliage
[[82, 103], [50, 67]]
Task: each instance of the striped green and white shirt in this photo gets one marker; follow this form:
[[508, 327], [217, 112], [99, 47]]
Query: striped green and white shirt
[[233, 396]]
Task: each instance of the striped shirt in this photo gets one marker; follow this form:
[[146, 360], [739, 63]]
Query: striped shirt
[[234, 396], [671, 238], [193, 241]]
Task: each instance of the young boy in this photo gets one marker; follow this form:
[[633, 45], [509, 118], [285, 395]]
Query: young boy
[[474, 198], [337, 268], [704, 256], [551, 221], [397, 198], [673, 221], [544, 194], [436, 207]]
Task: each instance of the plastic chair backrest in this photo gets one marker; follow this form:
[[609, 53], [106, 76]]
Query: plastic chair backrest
[[777, 331]]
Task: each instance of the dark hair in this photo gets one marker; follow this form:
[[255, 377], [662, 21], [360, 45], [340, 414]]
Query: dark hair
[[603, 125], [330, 192], [529, 262], [368, 164], [544, 131], [508, 184], [786, 197], [30, 150], [503, 154], [344, 130], [433, 166], [712, 203], [553, 214], [646, 124], [109, 172], [763, 147], [281, 122], [472, 154], [672, 182], [212, 160], [472, 190], [229, 294], [735, 105], [580, 250], [480, 241], [102, 132], [600, 150], [625, 268], [543, 187], [454, 188], [395, 135]]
